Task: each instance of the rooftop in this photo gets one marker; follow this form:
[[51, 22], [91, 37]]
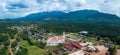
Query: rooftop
[[69, 46], [77, 45], [56, 39]]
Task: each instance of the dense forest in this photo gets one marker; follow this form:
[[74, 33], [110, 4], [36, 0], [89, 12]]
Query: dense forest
[[111, 31]]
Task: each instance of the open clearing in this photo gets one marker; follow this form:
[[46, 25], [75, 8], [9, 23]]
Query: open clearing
[[118, 52], [34, 50]]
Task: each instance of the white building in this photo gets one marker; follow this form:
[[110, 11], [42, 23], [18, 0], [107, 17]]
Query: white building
[[83, 32], [56, 40]]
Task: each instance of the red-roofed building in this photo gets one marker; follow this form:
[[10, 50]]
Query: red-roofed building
[[69, 47], [77, 45]]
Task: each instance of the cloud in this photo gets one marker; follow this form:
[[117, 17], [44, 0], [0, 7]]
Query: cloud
[[21, 8]]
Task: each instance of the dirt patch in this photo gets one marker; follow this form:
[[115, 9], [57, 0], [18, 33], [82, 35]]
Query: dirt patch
[[103, 50], [118, 52], [9, 47]]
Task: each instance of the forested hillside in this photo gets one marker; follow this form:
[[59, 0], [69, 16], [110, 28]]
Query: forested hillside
[[82, 16]]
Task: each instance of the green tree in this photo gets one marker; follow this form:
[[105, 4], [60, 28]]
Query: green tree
[[14, 44], [112, 50]]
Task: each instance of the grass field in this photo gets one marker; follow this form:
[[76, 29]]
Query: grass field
[[74, 36], [24, 44], [34, 50], [93, 41], [51, 47]]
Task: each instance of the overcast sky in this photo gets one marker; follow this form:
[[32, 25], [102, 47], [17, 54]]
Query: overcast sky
[[21, 8]]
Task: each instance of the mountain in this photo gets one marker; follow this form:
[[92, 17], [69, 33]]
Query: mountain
[[76, 16]]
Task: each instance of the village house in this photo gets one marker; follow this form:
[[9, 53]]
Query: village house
[[69, 47], [77, 45], [56, 40]]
